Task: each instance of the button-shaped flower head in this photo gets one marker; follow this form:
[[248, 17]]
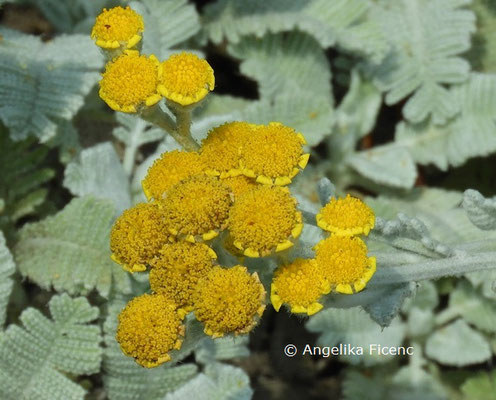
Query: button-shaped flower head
[[344, 263], [171, 168], [300, 286], [117, 27], [240, 184], [178, 268], [150, 326], [273, 154], [137, 236], [229, 301], [347, 217], [197, 207], [263, 220], [130, 82], [185, 78], [221, 149]]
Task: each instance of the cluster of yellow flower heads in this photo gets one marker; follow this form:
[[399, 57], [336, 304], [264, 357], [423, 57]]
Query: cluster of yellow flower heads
[[132, 81], [341, 263], [232, 192]]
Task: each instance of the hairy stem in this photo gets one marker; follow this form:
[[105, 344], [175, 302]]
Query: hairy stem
[[434, 269], [159, 118]]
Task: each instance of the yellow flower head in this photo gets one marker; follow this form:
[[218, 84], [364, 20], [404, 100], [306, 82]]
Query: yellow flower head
[[130, 82], [178, 268], [197, 206], [240, 184], [229, 301], [185, 78], [221, 149], [299, 285], [348, 217], [137, 236], [117, 27], [149, 327], [343, 262], [273, 154], [263, 220], [171, 168]]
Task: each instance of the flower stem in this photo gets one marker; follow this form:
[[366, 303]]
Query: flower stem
[[179, 132], [458, 264], [183, 123]]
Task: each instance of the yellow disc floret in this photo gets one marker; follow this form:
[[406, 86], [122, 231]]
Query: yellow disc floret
[[273, 154], [344, 263], [300, 286], [169, 169], [197, 207], [229, 301], [221, 149], [349, 216], [137, 236], [178, 268], [264, 219], [185, 78], [117, 27], [150, 326], [240, 184], [130, 82]]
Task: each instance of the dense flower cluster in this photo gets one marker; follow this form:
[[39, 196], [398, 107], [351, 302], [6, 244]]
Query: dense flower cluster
[[132, 81], [341, 263], [231, 193]]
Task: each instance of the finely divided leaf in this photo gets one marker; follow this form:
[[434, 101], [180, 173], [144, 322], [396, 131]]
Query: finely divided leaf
[[289, 63], [389, 165], [34, 360], [481, 211], [219, 381], [70, 250], [427, 37], [44, 82], [99, 172], [167, 23]]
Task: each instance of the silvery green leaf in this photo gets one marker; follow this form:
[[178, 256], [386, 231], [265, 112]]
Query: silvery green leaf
[[486, 280], [427, 38], [472, 133], [457, 345], [388, 164], [218, 381], [412, 382], [425, 298], [353, 326], [222, 349], [311, 115], [134, 132], [44, 82], [481, 211], [301, 65], [357, 112], [126, 380], [98, 172], [45, 350], [475, 309], [7, 268], [420, 322], [358, 386], [342, 22], [70, 250], [167, 23], [387, 306]]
